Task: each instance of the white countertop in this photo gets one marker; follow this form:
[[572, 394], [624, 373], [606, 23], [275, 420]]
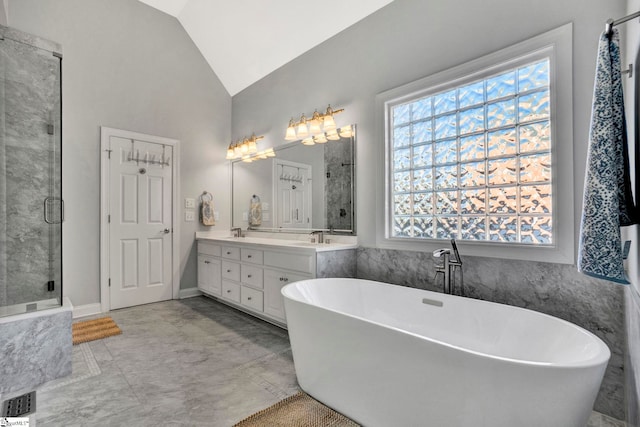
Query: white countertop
[[279, 242]]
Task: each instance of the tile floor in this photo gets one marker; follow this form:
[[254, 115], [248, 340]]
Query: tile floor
[[191, 362]]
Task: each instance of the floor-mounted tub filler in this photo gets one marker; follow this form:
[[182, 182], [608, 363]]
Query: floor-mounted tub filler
[[388, 355]]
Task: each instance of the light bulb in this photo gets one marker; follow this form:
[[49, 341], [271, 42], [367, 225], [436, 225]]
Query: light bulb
[[308, 141], [346, 132], [328, 123], [253, 146], [332, 135], [314, 123], [291, 131], [320, 139], [302, 131]]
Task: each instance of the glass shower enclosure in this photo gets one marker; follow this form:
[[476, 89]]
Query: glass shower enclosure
[[31, 207]]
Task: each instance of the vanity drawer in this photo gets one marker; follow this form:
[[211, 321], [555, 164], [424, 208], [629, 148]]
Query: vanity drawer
[[231, 291], [251, 255], [231, 270], [230, 252], [251, 275], [208, 249], [290, 261], [251, 298]]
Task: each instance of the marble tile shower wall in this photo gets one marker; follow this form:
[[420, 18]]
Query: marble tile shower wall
[[29, 166], [338, 184], [555, 289]]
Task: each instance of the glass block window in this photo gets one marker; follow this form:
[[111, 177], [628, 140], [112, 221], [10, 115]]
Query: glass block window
[[474, 161]]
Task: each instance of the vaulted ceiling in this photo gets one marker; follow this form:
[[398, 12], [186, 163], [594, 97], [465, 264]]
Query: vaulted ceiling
[[244, 40]]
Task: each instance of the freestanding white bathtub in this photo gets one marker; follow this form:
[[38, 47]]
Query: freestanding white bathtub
[[393, 356]]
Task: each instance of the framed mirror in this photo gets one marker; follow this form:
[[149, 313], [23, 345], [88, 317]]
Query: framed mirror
[[303, 188]]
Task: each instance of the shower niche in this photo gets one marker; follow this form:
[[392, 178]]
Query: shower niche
[[31, 207]]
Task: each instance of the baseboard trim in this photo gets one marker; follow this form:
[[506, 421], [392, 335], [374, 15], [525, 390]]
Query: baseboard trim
[[86, 310], [189, 293]]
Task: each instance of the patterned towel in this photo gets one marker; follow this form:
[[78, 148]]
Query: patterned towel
[[255, 212], [608, 203], [206, 213]]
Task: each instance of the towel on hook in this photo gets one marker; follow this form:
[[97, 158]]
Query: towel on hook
[[608, 203], [255, 211], [206, 210]]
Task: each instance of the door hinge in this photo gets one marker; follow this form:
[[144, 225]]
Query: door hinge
[[108, 219], [109, 153], [109, 281]]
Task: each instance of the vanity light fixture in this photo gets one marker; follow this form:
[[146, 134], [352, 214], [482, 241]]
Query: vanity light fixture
[[260, 155], [244, 147], [319, 123]]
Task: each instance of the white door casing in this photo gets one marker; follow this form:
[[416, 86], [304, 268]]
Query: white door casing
[[139, 243]]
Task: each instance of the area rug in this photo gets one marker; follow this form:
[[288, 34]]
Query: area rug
[[299, 410], [95, 329]]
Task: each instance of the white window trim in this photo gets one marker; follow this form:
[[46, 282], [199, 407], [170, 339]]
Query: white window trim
[[559, 46]]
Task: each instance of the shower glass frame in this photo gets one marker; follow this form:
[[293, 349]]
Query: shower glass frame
[[31, 204]]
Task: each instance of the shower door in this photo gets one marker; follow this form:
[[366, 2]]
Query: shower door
[[31, 209]]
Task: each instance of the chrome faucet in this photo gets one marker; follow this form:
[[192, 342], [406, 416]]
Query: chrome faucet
[[320, 235], [236, 232], [448, 268]]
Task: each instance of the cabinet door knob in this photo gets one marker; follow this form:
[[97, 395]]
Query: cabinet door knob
[[248, 298], [248, 256], [286, 279], [228, 271], [228, 253], [248, 276], [228, 291], [207, 262]]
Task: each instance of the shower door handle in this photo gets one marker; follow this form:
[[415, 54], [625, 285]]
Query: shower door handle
[[47, 210]]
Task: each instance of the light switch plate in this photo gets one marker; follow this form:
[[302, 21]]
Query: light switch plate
[[189, 203], [188, 216]]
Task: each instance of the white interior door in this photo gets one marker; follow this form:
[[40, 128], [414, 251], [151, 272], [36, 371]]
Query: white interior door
[[293, 194], [140, 222]]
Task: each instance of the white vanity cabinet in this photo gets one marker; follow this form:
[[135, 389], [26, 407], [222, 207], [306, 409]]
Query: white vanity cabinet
[[250, 277], [209, 269], [274, 280]]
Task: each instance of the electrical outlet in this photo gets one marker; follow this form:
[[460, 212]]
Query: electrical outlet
[[188, 216], [189, 203]]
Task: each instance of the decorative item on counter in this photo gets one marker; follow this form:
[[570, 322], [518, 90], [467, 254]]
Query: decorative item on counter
[[207, 216], [255, 212]]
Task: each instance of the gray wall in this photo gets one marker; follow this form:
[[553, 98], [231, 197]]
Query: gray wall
[[411, 39], [128, 66], [631, 47]]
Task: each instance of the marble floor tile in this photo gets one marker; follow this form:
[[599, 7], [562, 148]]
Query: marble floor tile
[[192, 362]]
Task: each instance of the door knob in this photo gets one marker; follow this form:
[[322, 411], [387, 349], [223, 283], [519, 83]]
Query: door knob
[[167, 231]]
